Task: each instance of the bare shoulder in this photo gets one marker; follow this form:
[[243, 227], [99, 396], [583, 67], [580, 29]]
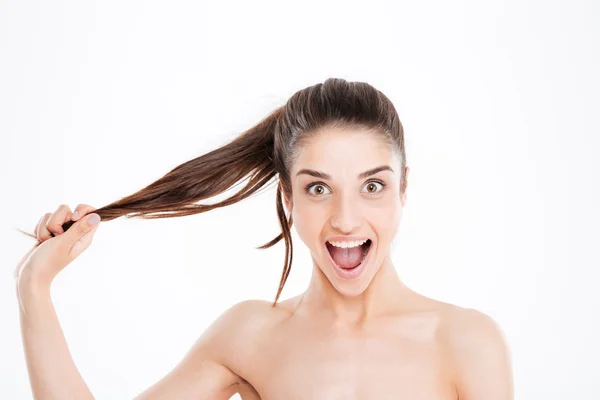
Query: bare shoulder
[[236, 328], [246, 314], [213, 367], [477, 353], [235, 331]]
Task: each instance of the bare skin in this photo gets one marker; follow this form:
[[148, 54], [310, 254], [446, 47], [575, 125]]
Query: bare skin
[[367, 338], [293, 352], [301, 355]]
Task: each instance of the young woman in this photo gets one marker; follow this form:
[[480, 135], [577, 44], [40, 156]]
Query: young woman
[[357, 332]]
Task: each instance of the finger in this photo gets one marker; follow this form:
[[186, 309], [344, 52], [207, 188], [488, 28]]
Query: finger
[[59, 217], [80, 211], [42, 232], [81, 227]]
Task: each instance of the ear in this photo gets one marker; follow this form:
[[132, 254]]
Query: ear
[[286, 202], [407, 170]]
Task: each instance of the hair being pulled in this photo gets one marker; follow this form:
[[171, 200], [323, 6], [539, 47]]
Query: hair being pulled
[[261, 154]]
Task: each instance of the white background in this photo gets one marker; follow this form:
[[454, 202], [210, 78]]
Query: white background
[[499, 101]]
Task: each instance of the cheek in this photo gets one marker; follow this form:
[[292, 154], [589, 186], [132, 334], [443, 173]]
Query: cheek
[[386, 218], [309, 220]]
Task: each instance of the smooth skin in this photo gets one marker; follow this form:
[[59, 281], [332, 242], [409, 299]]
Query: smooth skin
[[369, 338]]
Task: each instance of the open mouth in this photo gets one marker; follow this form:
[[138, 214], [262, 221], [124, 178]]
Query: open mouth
[[348, 258]]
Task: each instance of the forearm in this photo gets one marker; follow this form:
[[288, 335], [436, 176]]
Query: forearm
[[52, 372]]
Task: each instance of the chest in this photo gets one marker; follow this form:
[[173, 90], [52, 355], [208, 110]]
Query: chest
[[304, 362]]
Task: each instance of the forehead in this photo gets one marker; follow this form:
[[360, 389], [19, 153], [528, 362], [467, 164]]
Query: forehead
[[344, 150]]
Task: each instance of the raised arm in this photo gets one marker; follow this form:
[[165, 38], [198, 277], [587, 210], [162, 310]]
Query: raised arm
[[52, 373]]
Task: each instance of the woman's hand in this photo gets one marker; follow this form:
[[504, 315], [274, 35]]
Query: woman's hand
[[56, 248], [52, 372]]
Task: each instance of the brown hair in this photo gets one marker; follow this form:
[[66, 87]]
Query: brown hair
[[265, 150]]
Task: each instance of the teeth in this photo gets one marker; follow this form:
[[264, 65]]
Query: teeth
[[345, 245]]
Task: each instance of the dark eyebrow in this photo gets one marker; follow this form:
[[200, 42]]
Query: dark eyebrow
[[323, 175]]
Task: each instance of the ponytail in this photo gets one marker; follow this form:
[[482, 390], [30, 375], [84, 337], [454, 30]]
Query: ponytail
[[176, 193]]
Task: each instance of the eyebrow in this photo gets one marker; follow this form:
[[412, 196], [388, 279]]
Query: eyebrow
[[323, 175]]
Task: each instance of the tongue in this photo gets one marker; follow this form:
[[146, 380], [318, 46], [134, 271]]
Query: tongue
[[346, 258]]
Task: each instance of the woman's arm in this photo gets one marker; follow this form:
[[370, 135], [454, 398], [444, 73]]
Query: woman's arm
[[52, 372]]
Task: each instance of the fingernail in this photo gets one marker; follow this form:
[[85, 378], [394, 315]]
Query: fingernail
[[93, 219], [74, 215]]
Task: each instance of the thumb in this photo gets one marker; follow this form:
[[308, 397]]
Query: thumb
[[79, 236]]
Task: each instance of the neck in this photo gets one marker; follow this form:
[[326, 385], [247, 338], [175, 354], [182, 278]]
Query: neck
[[381, 297]]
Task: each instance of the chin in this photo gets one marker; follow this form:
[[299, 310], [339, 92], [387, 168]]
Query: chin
[[350, 291]]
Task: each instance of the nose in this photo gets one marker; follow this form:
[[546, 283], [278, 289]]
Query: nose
[[345, 215]]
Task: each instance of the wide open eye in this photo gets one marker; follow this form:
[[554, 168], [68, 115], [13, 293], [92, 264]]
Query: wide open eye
[[318, 184], [371, 183]]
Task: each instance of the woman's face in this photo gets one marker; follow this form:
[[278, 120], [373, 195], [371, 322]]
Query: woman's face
[[344, 204]]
